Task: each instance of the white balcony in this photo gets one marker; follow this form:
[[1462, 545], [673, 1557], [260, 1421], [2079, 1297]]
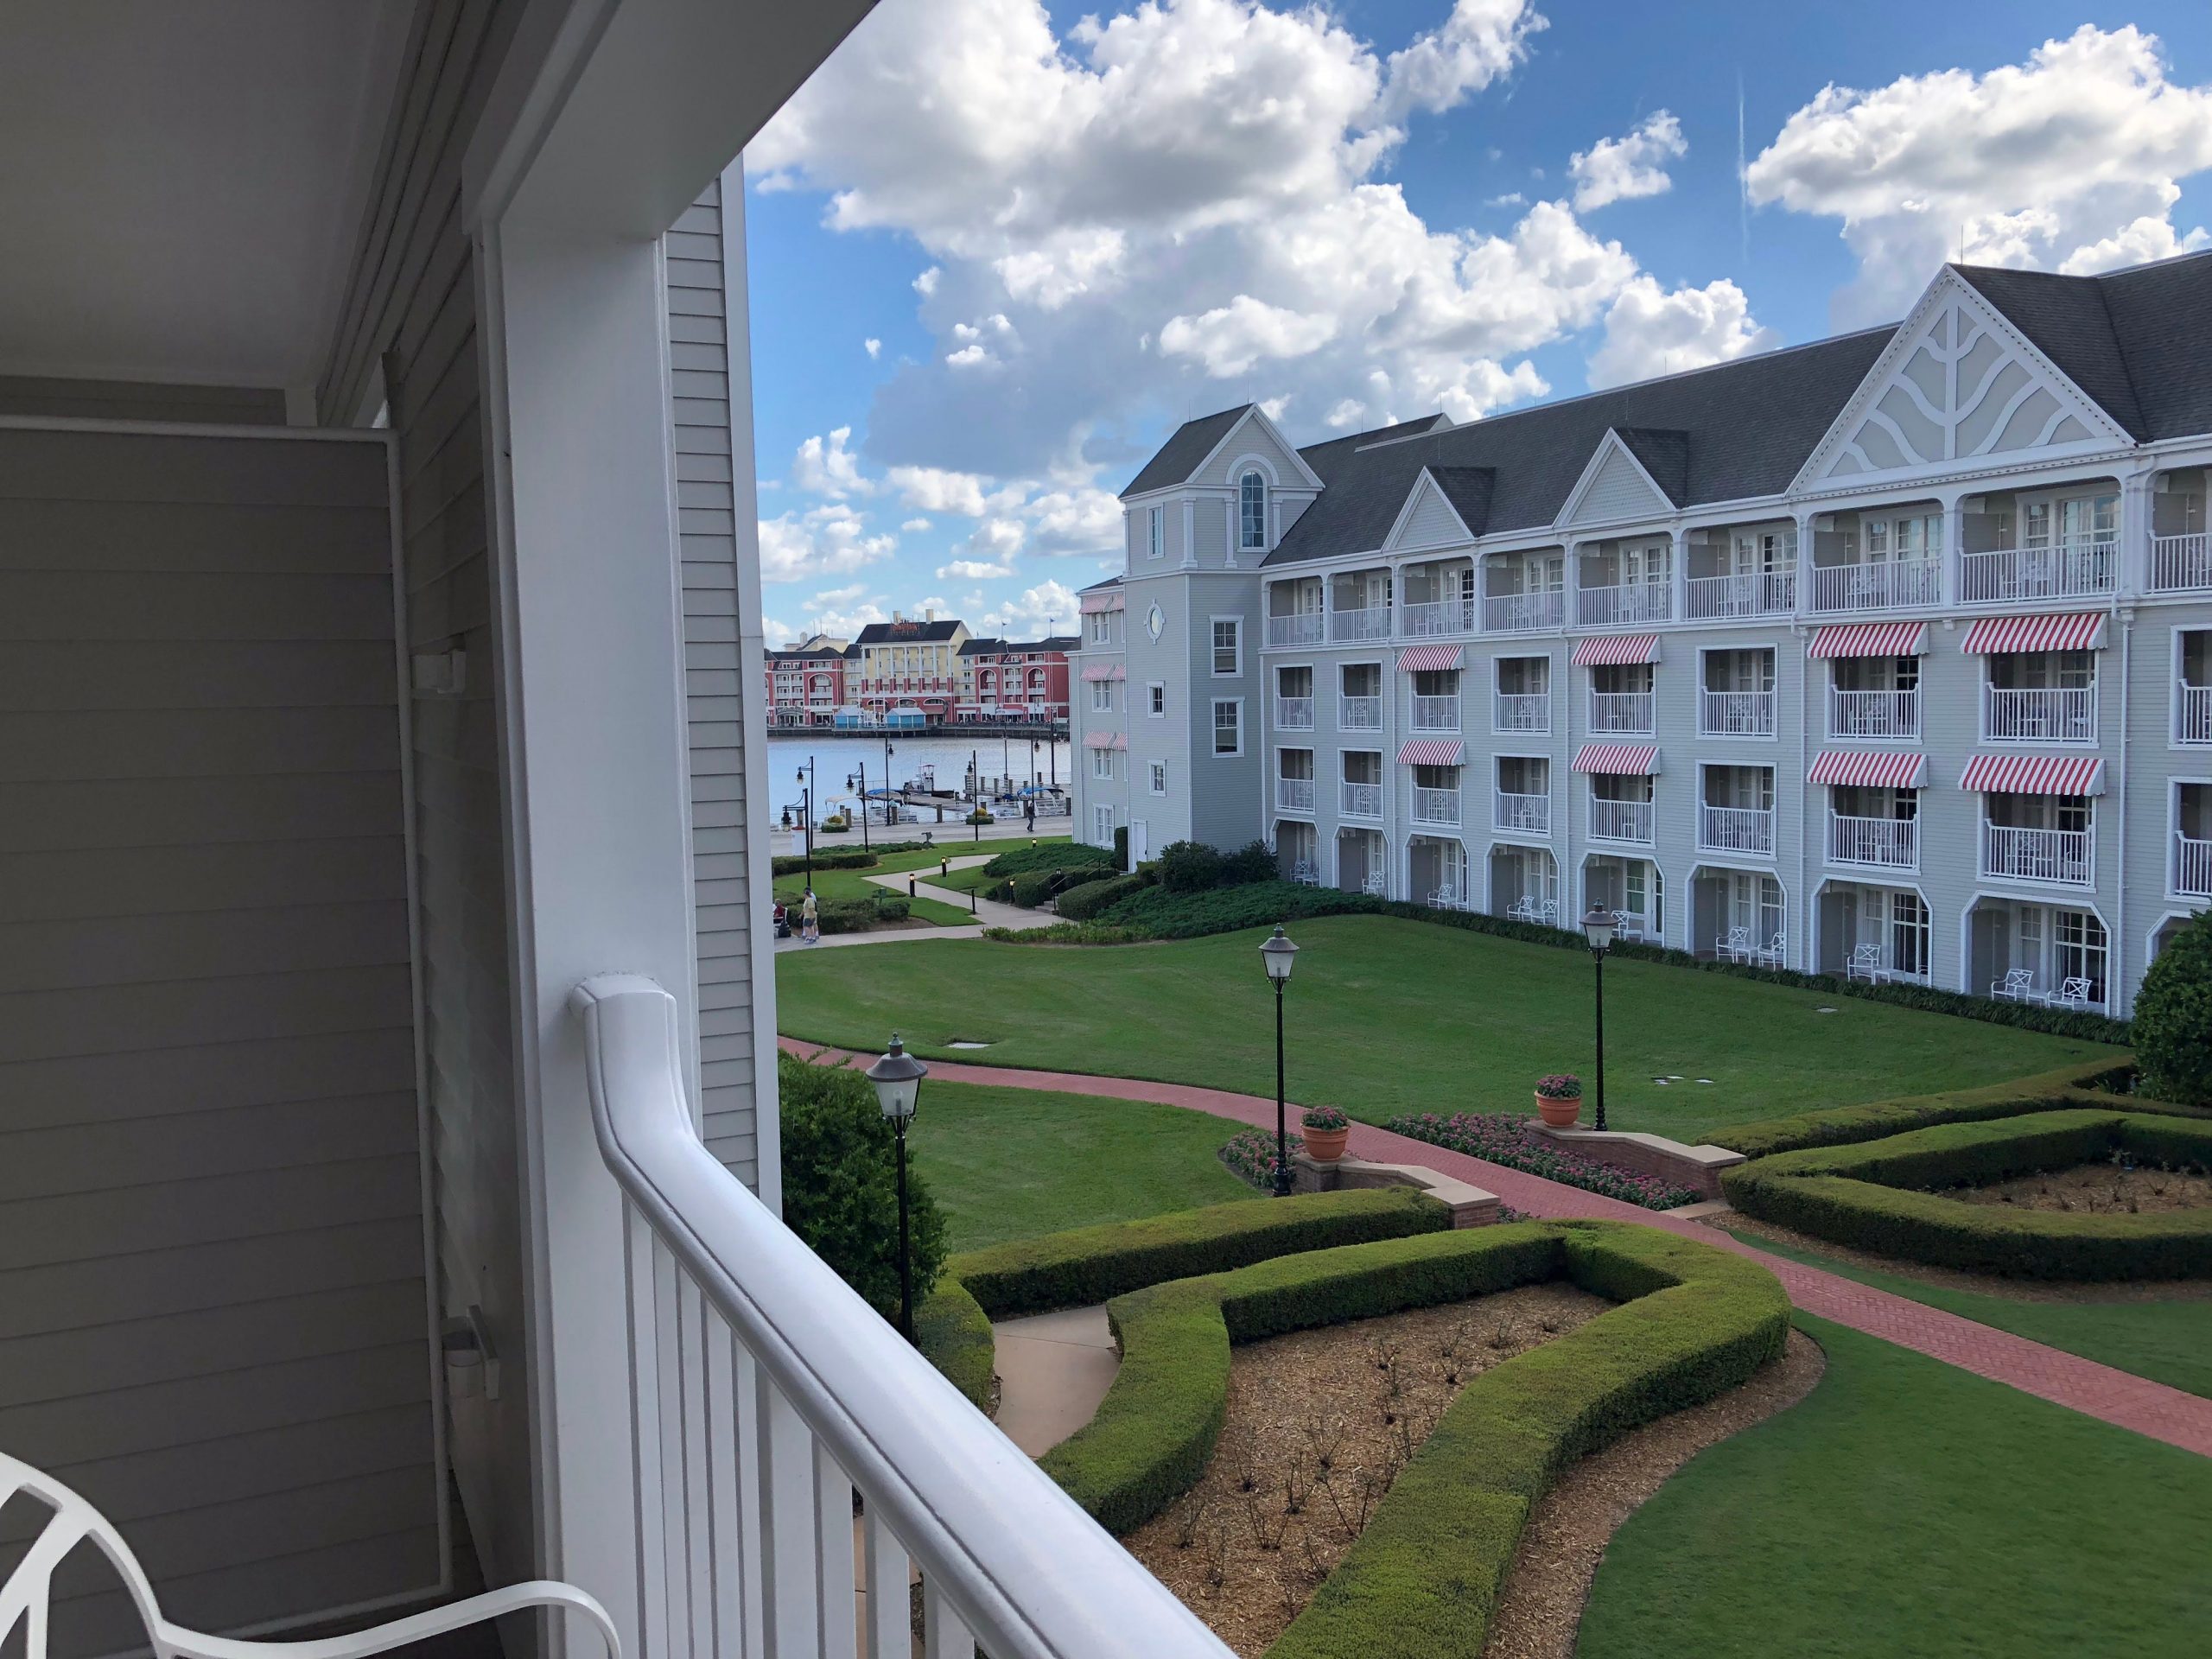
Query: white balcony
[[1436, 806], [1879, 844], [2193, 714], [1735, 829], [2065, 714], [2181, 564], [1628, 712], [1760, 593], [1521, 711], [1883, 714], [1524, 613], [1293, 713], [1294, 794], [2074, 569], [1905, 584], [1304, 629], [1447, 616], [1351, 627], [1735, 714], [1436, 714], [1627, 603], [1527, 815], [2067, 857], [1359, 714], [1629, 821], [2192, 868], [1361, 800]]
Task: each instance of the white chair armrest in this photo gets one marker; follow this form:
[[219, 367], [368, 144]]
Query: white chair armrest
[[477, 1610]]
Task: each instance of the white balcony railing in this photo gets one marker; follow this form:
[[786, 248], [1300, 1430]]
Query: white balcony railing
[[1359, 714], [1304, 629], [2192, 868], [2065, 714], [1758, 593], [1522, 711], [1530, 814], [770, 1406], [2068, 571], [2181, 564], [1351, 626], [1436, 714], [1621, 711], [1908, 583], [1884, 843], [1436, 806], [1294, 714], [1735, 714], [1620, 821], [1444, 616], [1361, 800], [1735, 829], [1628, 602], [1874, 714], [2066, 856], [1294, 794], [2193, 714], [1524, 613]]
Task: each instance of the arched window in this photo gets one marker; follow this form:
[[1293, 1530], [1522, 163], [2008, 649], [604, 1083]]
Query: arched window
[[1252, 516]]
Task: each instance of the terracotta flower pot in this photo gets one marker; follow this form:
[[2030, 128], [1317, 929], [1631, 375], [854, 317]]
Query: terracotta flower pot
[[1326, 1145], [1560, 1113]]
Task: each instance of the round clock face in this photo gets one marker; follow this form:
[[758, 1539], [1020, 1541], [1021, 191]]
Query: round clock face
[[1155, 622]]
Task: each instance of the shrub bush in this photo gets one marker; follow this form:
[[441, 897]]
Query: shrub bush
[[1032, 887], [858, 915], [843, 1196], [1502, 1138], [1053, 856], [841, 858], [1250, 1156], [1082, 902], [1121, 845], [1189, 867], [2173, 1018], [1248, 863]]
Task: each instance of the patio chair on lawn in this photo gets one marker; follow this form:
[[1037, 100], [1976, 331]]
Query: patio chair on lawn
[[1735, 945], [2071, 993], [27, 1592], [1865, 963], [2018, 985]]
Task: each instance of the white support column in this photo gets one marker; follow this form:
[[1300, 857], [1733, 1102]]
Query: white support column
[[1802, 583], [1678, 577], [1953, 548], [2133, 576], [1190, 561]]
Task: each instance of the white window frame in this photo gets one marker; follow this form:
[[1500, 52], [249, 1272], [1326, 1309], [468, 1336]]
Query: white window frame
[[1155, 533], [1213, 647], [1216, 728], [1159, 777], [1155, 699], [1102, 696], [1245, 474], [1101, 765]]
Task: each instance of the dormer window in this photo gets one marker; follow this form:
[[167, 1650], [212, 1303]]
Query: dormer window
[[1252, 511]]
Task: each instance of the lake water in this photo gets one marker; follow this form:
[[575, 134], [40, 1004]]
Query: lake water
[[837, 758]]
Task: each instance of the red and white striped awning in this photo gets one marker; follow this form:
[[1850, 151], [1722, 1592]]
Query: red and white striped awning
[[1093, 603], [2069, 631], [1433, 752], [1105, 671], [1430, 659], [1896, 770], [1610, 648], [1105, 740], [1620, 760], [1870, 640], [2035, 774]]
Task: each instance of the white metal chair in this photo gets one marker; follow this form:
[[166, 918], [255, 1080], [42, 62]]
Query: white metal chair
[[1735, 946], [1445, 898], [1865, 963], [26, 1596], [2018, 985], [1377, 883], [1770, 954], [1304, 874], [2071, 993]]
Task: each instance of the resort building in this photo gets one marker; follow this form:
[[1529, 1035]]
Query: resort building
[[1012, 679], [908, 665], [806, 682], [1888, 656]]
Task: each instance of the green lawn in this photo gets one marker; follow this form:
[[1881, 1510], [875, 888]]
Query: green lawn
[[1387, 1015], [1907, 1511], [1011, 1163], [854, 884], [2170, 1342]]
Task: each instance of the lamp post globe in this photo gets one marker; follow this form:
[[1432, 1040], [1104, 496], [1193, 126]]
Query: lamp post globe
[[898, 1079], [1599, 926], [1278, 956]]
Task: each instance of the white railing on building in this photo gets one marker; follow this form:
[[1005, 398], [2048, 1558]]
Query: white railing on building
[[1294, 714], [1359, 714], [1294, 794], [1884, 843], [1873, 714], [1529, 815], [1626, 603], [2193, 714], [1436, 806], [1443, 616], [1361, 800], [1522, 711], [2067, 856], [2063, 714], [2192, 868], [1524, 613], [1735, 829], [1620, 820], [1621, 711], [2067, 570], [1757, 593], [1735, 714], [767, 1398], [1303, 629], [1351, 626], [1436, 714], [1906, 583], [2181, 564]]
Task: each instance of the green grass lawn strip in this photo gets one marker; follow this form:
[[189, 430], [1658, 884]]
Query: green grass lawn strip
[[854, 884]]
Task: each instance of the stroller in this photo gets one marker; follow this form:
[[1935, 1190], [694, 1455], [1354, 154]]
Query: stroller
[[783, 920]]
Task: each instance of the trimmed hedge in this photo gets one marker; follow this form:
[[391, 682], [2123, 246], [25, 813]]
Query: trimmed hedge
[[1873, 1196], [1080, 903], [1053, 855], [841, 858], [858, 915], [2173, 1017]]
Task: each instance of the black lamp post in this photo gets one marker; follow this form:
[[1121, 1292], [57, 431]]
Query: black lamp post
[[849, 783], [806, 817], [1598, 925], [1279, 955], [898, 1079]]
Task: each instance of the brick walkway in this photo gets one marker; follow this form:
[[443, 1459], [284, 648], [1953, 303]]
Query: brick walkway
[[2152, 1408]]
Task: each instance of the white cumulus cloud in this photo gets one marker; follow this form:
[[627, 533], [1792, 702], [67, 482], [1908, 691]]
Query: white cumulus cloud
[[825, 466], [936, 489], [1230, 339], [1650, 330], [1049, 604], [828, 540], [1620, 169]]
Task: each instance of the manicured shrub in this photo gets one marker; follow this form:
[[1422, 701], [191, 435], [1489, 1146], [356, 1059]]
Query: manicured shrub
[[1189, 867], [841, 858], [841, 1194], [1051, 855], [1082, 902], [1503, 1138], [1248, 863], [1121, 845], [858, 915], [1032, 887], [1250, 1156], [2173, 1018]]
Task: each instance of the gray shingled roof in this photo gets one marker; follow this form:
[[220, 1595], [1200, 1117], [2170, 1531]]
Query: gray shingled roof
[[1190, 444], [1468, 489], [909, 633], [1665, 455], [2067, 319]]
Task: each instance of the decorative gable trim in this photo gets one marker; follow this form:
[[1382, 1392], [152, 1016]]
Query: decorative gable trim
[[1425, 490], [1958, 383], [1611, 453], [1306, 475]]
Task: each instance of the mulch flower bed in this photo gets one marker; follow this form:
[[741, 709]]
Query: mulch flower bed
[[1252, 1153], [2107, 1189], [1502, 1138]]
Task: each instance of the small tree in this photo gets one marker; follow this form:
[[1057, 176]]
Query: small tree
[[1251, 862], [2173, 1019], [841, 1191], [1189, 867]]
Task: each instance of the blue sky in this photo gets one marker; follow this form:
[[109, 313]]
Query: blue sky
[[1364, 215]]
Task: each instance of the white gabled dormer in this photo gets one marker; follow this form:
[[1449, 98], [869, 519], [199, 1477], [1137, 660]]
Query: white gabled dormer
[[1218, 495], [1429, 518], [1635, 474]]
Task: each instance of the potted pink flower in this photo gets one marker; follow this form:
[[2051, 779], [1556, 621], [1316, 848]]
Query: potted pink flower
[[1559, 1099], [1326, 1131]]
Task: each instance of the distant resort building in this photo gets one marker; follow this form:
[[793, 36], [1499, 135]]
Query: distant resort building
[[906, 674]]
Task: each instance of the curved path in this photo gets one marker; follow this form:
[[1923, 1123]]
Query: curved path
[[2083, 1385]]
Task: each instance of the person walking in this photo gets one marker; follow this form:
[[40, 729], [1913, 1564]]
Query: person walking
[[810, 922], [1029, 812]]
